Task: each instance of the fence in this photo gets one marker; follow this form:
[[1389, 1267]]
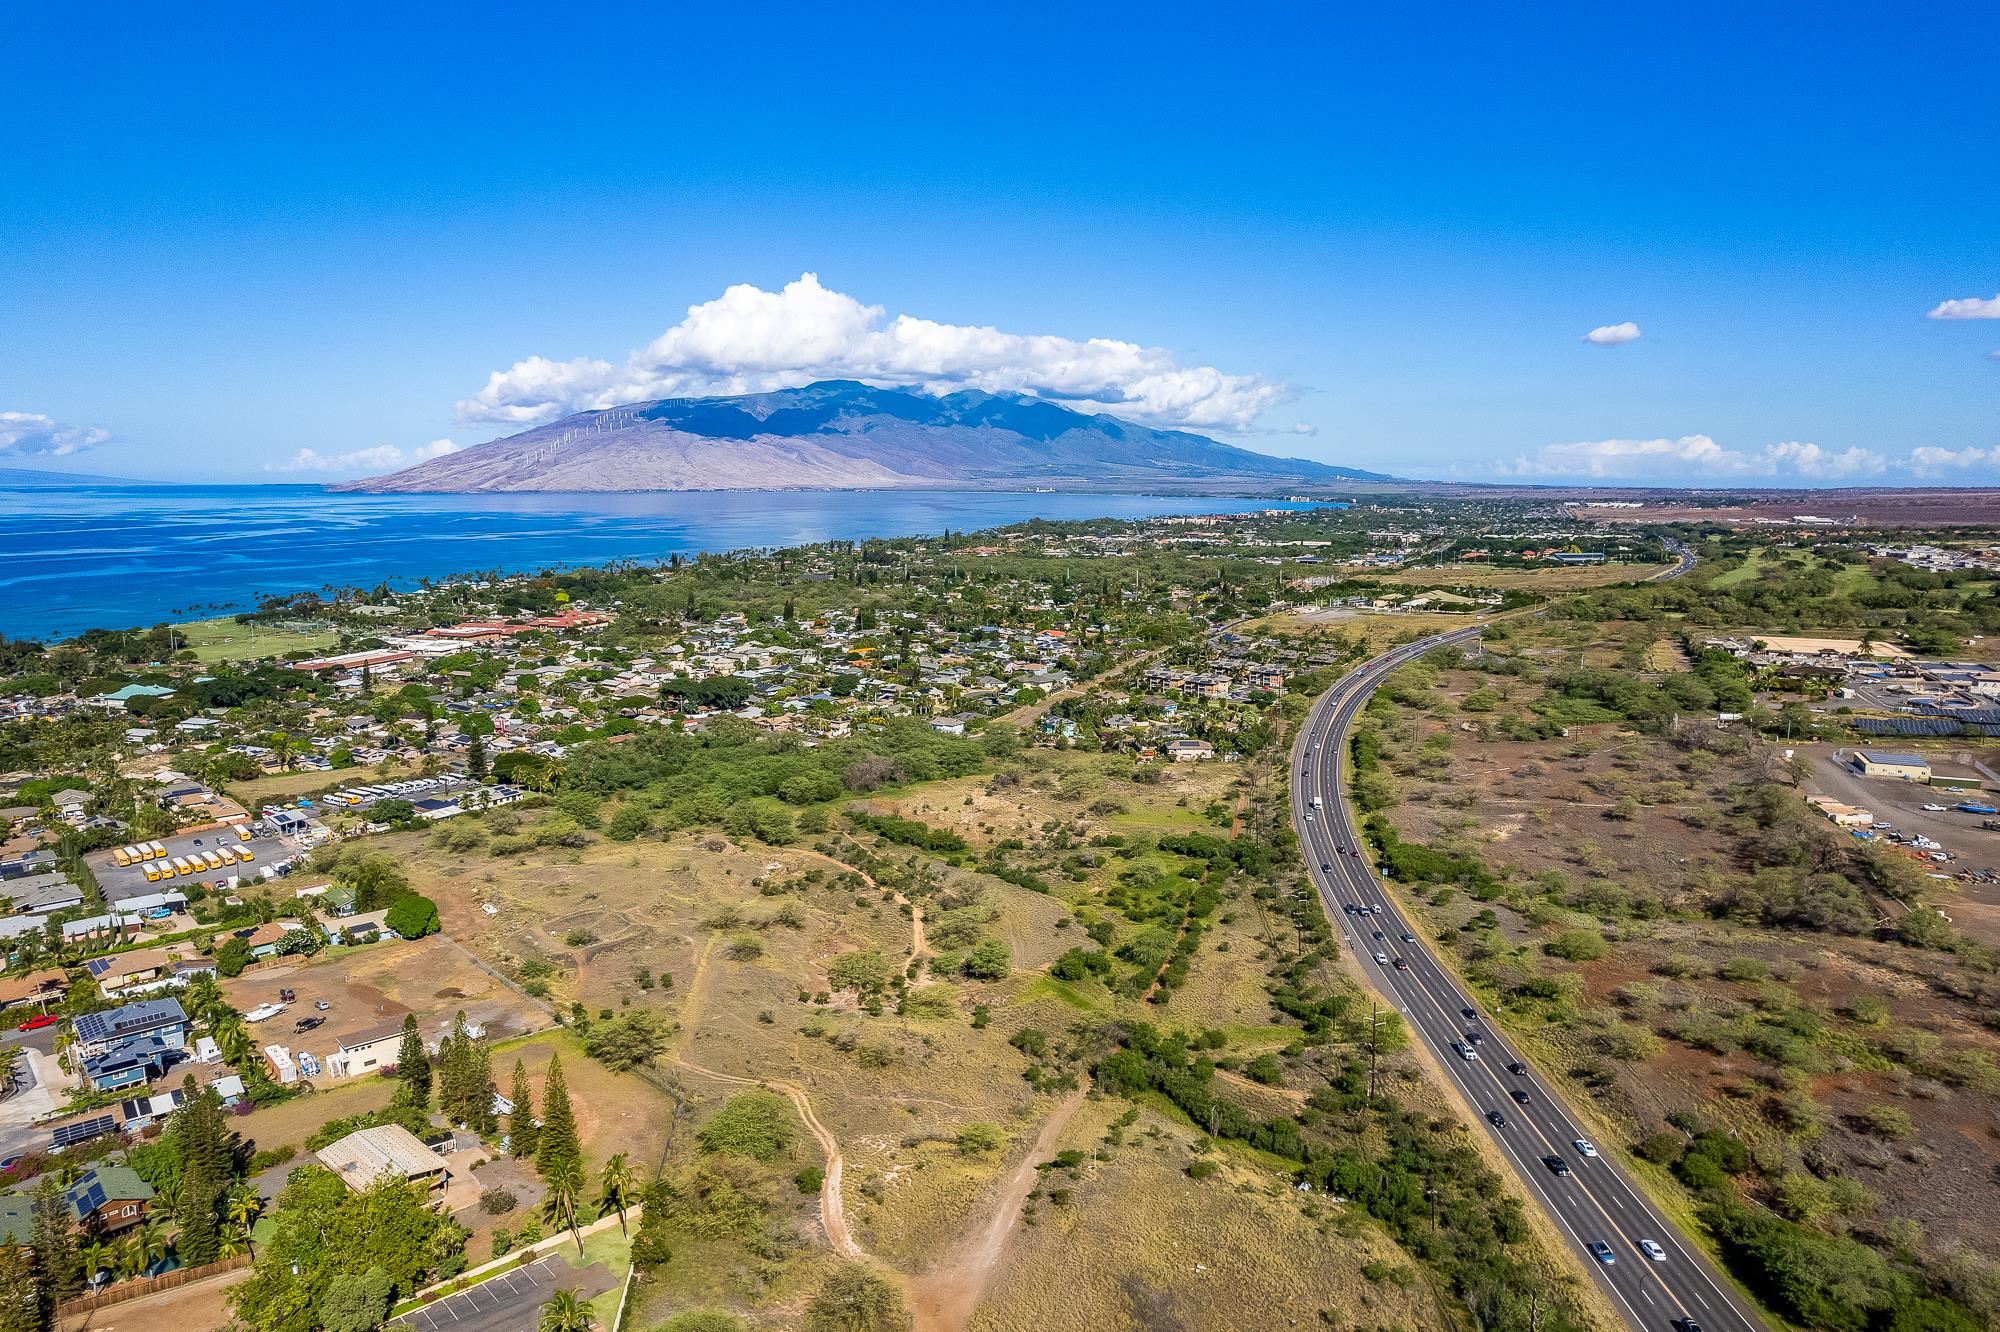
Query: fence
[[120, 1291]]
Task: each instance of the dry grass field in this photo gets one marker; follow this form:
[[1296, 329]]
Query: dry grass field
[[1552, 578]]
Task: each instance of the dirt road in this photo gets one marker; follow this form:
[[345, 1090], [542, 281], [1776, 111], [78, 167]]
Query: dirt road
[[942, 1299]]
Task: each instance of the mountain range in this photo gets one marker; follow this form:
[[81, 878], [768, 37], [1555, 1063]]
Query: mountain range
[[841, 435]]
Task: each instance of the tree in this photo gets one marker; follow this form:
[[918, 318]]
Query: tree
[[566, 1313], [242, 1210], [200, 1136], [465, 1078], [615, 1187], [626, 1041], [58, 1268], [413, 916], [988, 960], [522, 1131], [356, 1302], [20, 1292], [565, 1194], [854, 1299], [233, 956], [558, 1149], [322, 1230], [475, 758], [413, 1066]]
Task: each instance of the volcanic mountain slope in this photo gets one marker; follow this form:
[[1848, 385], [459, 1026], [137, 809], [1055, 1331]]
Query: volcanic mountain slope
[[843, 435]]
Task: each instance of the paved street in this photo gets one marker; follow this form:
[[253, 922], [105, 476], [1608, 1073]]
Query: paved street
[[1597, 1202]]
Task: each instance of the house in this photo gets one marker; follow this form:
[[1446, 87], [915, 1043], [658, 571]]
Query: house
[[123, 970], [139, 1111], [264, 940], [43, 893], [1187, 751], [108, 1198], [366, 1155], [160, 1018], [365, 1051], [37, 987], [130, 1063], [948, 725], [1901, 767]]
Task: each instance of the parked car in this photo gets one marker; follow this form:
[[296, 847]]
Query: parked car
[[40, 1020], [322, 1005], [308, 1023], [286, 996]]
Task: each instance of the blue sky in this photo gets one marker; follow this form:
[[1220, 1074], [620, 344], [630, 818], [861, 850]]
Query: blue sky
[[304, 237]]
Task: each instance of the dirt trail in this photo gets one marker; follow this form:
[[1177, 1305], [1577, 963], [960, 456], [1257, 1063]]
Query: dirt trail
[[943, 1299], [832, 1212], [919, 944]]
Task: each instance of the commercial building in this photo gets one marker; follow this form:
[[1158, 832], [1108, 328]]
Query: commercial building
[[1901, 767]]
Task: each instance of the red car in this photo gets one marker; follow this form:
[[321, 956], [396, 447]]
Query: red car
[[38, 1022]]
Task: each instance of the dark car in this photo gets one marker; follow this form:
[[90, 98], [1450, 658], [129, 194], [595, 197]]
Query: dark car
[[1409, 938], [1325, 868], [1496, 1119], [1602, 1252], [286, 996], [1520, 1097], [1355, 854], [1401, 965], [1557, 1166], [1518, 1070], [1476, 1037], [1467, 1012], [308, 1024], [1380, 935], [1686, 1325]]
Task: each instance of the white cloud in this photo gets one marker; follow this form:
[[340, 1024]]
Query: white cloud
[[749, 340], [1700, 460], [31, 434], [1930, 461], [1697, 455], [1970, 307], [1612, 335], [380, 458]]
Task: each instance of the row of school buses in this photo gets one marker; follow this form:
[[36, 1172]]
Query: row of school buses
[[152, 857]]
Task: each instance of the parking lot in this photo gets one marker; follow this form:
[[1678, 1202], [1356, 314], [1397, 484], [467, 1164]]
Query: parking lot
[[510, 1302], [120, 882], [413, 789]]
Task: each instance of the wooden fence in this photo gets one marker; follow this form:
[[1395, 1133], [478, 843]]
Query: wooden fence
[[120, 1291]]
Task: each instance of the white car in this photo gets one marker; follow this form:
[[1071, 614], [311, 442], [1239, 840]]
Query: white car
[[263, 1012], [1652, 1250], [1584, 1147], [1383, 958], [1933, 809]]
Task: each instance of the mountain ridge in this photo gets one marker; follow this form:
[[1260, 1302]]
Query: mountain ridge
[[840, 434]]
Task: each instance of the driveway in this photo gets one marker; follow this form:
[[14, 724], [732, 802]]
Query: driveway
[[510, 1302], [34, 1099]]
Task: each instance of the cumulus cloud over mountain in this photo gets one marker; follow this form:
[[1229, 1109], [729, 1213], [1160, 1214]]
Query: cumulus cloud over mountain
[[750, 340]]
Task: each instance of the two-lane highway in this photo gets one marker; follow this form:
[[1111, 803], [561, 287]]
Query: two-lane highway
[[1652, 1273]]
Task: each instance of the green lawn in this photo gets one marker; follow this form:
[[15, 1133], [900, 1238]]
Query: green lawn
[[225, 640], [1753, 563]]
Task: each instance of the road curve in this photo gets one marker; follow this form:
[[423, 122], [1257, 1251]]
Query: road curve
[[1597, 1201]]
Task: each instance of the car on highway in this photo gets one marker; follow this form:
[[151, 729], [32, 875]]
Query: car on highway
[[1383, 958], [1557, 1166], [1354, 855], [1602, 1252], [1402, 965], [39, 1021], [1933, 809], [1380, 936], [1409, 938], [1476, 1037], [1496, 1119], [1520, 1097], [1652, 1249], [1686, 1325], [1584, 1147], [1519, 1070], [1325, 868], [1466, 1052], [1468, 1012]]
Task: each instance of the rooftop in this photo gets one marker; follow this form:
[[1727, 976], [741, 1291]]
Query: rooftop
[[365, 1155]]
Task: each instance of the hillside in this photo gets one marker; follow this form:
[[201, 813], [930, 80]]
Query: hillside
[[844, 435]]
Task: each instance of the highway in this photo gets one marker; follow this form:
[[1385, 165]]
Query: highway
[[1595, 1201]]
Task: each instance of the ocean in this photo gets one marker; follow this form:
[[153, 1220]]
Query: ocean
[[125, 556]]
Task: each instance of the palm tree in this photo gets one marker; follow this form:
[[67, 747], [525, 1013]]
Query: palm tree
[[565, 1190], [615, 1187], [566, 1313], [97, 1257], [150, 1240], [242, 1211]]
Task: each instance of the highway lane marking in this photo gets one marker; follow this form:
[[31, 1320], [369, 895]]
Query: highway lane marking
[[1342, 708]]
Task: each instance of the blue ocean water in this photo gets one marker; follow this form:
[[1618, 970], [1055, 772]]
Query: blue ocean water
[[116, 557]]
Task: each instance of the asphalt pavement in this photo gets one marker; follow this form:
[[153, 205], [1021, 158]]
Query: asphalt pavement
[[1597, 1201], [510, 1302]]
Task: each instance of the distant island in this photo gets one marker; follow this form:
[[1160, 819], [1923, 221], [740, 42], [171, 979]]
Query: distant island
[[841, 435]]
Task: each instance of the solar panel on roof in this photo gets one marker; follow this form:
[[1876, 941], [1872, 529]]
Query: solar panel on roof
[[99, 966], [68, 1135]]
